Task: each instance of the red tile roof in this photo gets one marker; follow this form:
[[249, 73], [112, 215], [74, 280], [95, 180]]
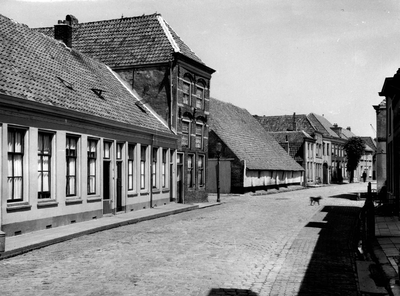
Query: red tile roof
[[244, 135], [128, 41], [38, 68]]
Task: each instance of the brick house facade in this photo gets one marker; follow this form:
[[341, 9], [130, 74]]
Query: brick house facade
[[166, 74]]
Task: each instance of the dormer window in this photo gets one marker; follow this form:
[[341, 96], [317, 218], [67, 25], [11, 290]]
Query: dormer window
[[98, 92], [66, 83]]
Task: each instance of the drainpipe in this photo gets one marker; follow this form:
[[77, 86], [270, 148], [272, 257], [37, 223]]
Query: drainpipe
[[170, 95], [151, 171]]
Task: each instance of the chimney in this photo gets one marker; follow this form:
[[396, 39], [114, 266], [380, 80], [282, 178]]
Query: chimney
[[349, 128], [294, 121], [63, 30]]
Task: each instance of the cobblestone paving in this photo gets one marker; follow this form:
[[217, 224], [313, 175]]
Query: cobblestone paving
[[251, 245]]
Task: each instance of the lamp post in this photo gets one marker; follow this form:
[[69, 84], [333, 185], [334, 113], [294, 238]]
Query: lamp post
[[218, 149]]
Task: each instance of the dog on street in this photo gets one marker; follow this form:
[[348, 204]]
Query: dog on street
[[315, 199]]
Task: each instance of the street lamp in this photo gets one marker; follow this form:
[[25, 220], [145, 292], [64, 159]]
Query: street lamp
[[218, 149]]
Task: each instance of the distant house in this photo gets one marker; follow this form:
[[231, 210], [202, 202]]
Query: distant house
[[303, 141], [369, 158], [334, 138], [258, 161], [147, 53], [75, 141], [380, 110]]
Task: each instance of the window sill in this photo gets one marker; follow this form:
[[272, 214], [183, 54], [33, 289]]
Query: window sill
[[94, 199], [165, 190], [47, 203], [144, 193], [156, 191], [18, 206], [72, 201], [132, 195]]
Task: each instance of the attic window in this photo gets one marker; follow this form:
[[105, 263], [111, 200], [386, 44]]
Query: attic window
[[98, 92], [66, 83], [140, 106]]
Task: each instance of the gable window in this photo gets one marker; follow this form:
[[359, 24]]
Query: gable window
[[200, 170], [199, 96], [44, 163], [185, 133], [186, 92], [71, 160], [190, 170], [143, 167], [199, 136], [15, 164], [154, 168], [131, 167], [92, 161]]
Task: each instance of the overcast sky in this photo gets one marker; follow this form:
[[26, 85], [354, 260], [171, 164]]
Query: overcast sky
[[272, 57]]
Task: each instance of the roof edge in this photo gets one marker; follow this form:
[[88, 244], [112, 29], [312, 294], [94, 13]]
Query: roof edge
[[168, 33]]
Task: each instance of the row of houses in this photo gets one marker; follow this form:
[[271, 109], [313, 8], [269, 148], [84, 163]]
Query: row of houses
[[114, 116], [318, 146]]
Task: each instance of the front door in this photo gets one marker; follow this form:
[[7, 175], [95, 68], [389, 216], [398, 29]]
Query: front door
[[325, 174], [106, 188], [179, 177], [119, 186]]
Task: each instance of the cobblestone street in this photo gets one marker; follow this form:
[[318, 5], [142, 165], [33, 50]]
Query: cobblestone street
[[250, 245]]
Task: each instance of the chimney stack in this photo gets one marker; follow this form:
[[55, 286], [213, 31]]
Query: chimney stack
[[294, 122], [63, 30]]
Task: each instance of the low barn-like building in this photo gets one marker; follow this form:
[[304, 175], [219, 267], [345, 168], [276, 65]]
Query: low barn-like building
[[75, 141], [257, 159]]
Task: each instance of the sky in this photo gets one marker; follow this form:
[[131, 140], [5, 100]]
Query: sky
[[272, 57]]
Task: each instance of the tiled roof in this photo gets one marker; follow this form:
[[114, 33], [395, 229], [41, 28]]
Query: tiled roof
[[285, 123], [128, 41], [38, 68], [243, 134], [295, 140], [346, 134], [369, 142], [322, 125]]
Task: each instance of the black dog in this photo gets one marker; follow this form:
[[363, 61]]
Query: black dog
[[315, 199]]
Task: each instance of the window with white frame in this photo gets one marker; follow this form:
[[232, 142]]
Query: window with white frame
[[107, 150], [200, 170], [143, 167], [15, 164], [92, 162], [71, 152], [190, 170], [154, 168], [186, 133], [186, 92], [199, 96], [199, 136], [131, 167], [44, 164]]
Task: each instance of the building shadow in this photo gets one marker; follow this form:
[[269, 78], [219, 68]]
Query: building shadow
[[350, 196], [231, 292], [331, 270]]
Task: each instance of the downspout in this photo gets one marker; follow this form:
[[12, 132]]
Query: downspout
[[151, 171], [170, 94]]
